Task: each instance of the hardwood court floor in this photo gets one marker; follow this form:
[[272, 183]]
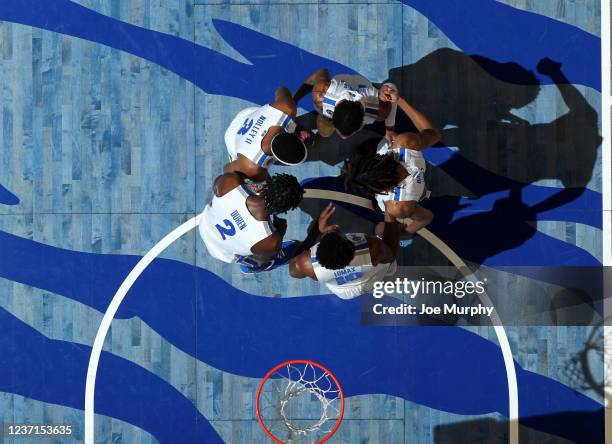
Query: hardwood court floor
[[109, 152]]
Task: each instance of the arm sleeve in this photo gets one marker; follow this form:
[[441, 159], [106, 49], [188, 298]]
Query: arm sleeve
[[390, 120]]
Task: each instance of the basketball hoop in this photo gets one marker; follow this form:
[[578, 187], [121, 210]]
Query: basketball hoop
[[299, 401], [591, 368], [597, 352]]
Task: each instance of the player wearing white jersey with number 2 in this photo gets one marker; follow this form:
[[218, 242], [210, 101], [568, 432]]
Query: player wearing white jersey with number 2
[[241, 226], [349, 264]]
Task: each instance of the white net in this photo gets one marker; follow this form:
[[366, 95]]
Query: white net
[[300, 402], [596, 353], [591, 368]]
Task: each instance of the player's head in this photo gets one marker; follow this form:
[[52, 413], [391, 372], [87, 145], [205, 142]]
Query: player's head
[[318, 92], [288, 149], [281, 193], [348, 118], [373, 172], [335, 251]]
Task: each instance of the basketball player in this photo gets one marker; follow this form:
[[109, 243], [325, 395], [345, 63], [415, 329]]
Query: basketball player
[[348, 264], [346, 102], [260, 135], [396, 172], [241, 226]]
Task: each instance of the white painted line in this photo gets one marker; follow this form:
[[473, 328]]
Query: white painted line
[[504, 343], [336, 195], [606, 184], [145, 261], [111, 311], [502, 338], [606, 132]]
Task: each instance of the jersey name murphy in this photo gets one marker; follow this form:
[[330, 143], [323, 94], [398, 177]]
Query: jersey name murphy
[[253, 130]]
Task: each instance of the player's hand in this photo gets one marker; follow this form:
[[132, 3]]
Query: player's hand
[[389, 217], [318, 75], [388, 94], [306, 136], [390, 135], [324, 217], [282, 93]]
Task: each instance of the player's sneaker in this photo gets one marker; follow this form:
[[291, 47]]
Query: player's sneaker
[[284, 256]]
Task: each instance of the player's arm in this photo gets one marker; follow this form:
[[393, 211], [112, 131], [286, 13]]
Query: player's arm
[[384, 109], [384, 251], [249, 169], [225, 183], [301, 266], [399, 210], [419, 216], [318, 229], [428, 134], [268, 248], [284, 101], [320, 75], [389, 95], [280, 225]]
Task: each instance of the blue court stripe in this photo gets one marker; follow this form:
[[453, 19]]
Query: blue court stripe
[[361, 246]]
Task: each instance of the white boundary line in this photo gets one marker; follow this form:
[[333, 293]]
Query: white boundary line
[[145, 261], [310, 193], [606, 185], [500, 332], [111, 311], [606, 132], [502, 338]]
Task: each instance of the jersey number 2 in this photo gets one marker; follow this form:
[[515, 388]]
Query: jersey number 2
[[228, 230]]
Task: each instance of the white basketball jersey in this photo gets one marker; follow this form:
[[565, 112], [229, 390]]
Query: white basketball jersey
[[355, 88], [228, 229], [412, 187], [247, 130], [358, 277]]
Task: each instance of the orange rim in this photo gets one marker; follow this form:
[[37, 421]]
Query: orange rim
[[299, 361]]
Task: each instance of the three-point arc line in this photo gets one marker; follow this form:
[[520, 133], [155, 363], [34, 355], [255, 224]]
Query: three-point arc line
[[145, 261]]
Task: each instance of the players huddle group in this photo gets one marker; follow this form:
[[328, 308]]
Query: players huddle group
[[241, 223]]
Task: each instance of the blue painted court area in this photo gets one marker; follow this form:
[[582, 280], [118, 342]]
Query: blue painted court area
[[111, 131]]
